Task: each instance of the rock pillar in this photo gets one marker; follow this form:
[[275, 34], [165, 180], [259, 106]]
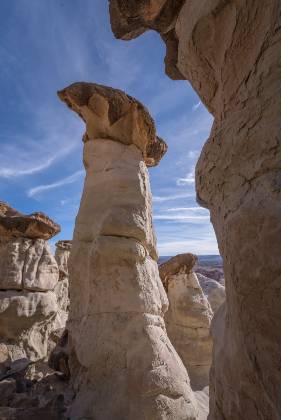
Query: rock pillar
[[123, 364], [188, 318], [28, 277], [230, 53], [62, 288]]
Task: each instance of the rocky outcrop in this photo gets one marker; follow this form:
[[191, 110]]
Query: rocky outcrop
[[27, 264], [14, 224], [230, 53], [213, 273], [32, 391], [26, 322], [214, 291], [122, 362], [62, 288], [62, 254], [188, 318], [28, 277]]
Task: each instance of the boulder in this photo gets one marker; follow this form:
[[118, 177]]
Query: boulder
[[14, 224]]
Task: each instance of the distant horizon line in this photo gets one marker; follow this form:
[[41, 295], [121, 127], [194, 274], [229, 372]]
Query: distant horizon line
[[199, 255]]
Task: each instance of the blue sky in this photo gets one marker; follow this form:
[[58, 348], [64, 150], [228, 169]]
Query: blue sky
[[44, 46]]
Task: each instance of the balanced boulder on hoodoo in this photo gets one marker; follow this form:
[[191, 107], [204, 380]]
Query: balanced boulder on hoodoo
[[123, 363]]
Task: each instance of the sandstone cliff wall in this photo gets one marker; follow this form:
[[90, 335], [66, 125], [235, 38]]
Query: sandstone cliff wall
[[230, 53]]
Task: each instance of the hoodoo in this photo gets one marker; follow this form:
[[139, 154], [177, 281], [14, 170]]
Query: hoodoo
[[123, 364], [188, 318]]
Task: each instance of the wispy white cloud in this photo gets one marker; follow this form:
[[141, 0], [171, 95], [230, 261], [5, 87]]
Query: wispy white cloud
[[30, 168], [183, 214], [167, 100], [180, 217], [193, 154], [196, 106], [161, 199], [65, 181], [191, 209], [199, 246], [189, 129], [187, 180]]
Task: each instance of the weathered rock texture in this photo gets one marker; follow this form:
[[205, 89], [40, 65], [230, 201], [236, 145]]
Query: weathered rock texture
[[230, 52], [26, 321], [62, 288], [28, 277], [122, 363], [62, 254], [27, 264], [188, 318], [214, 291], [14, 224]]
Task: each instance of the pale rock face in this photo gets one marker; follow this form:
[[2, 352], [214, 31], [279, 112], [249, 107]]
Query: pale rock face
[[62, 292], [188, 324], [29, 276], [237, 179], [26, 320], [123, 364], [62, 254], [188, 317], [27, 264], [214, 291]]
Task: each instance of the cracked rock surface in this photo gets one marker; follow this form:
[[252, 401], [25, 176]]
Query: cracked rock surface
[[230, 53], [29, 274]]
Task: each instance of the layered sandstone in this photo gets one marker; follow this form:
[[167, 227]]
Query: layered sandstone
[[14, 224], [62, 254], [63, 248], [230, 53], [122, 363], [188, 318], [28, 277]]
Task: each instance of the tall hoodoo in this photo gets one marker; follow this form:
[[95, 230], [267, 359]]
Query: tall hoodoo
[[123, 364], [188, 318], [230, 52]]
